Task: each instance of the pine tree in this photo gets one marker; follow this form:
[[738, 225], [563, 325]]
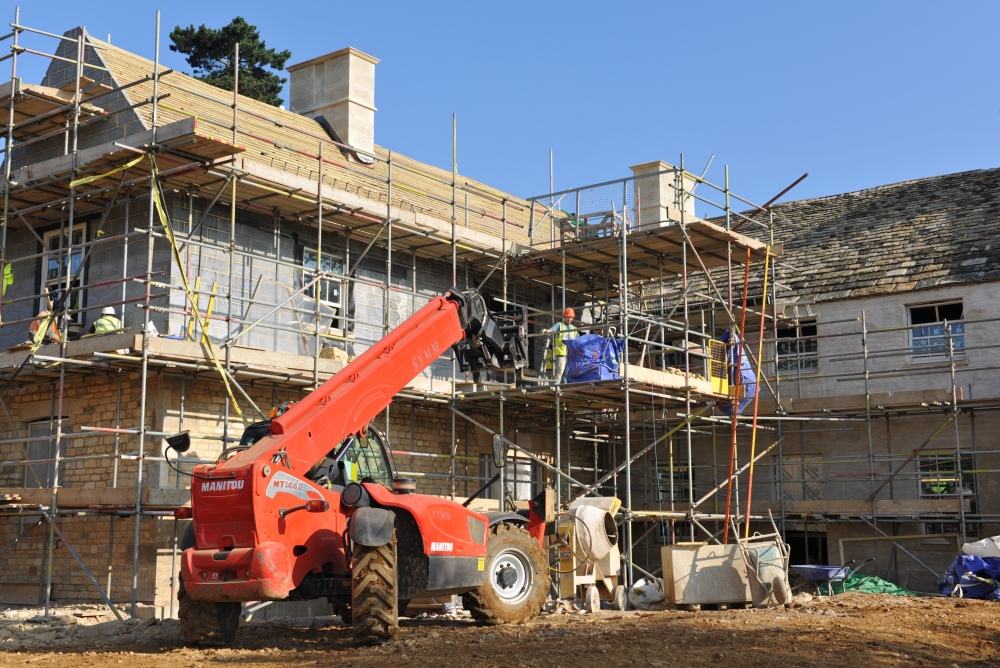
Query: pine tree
[[210, 53]]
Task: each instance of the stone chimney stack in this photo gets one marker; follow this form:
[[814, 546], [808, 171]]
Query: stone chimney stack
[[340, 87], [655, 190]]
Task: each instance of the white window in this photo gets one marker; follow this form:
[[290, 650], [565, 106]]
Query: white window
[[797, 353], [939, 476], [329, 289], [44, 451], [929, 341], [56, 254]]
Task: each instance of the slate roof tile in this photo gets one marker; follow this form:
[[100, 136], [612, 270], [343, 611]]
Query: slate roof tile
[[903, 236]]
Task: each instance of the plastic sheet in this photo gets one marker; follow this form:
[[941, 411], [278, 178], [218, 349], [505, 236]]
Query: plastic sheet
[[592, 357], [965, 578]]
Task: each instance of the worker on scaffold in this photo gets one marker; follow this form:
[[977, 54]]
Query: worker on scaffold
[[561, 333], [107, 323]]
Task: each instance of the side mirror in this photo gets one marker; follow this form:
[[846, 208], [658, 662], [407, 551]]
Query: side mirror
[[181, 442], [499, 452]]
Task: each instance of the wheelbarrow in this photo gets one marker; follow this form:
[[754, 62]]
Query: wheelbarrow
[[817, 575]]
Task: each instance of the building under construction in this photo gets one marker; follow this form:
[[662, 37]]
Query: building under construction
[[250, 252]]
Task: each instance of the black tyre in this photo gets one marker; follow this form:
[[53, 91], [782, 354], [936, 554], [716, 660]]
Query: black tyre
[[516, 580], [203, 622], [373, 592], [206, 623]]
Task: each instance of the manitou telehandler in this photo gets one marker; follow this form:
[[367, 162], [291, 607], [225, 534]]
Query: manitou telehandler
[[308, 505]]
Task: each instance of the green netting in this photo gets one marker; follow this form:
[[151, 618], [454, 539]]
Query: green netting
[[866, 584]]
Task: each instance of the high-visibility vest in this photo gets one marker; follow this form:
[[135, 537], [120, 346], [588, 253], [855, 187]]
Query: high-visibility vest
[[53, 331], [8, 277], [106, 323], [561, 334]]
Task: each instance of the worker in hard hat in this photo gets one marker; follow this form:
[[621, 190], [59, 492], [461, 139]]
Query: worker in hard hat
[[561, 333], [49, 334], [108, 322]]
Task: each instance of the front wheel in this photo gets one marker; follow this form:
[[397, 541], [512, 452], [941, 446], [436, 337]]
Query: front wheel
[[373, 592], [516, 583]]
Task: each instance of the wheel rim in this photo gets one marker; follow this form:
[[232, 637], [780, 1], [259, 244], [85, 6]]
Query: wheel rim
[[510, 576]]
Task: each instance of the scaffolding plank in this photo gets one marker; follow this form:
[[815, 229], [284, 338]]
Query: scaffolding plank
[[860, 507], [103, 497], [857, 402]]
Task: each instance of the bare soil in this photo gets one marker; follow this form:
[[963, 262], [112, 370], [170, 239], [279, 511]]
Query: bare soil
[[848, 630]]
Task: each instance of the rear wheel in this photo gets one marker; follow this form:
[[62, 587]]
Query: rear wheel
[[516, 583], [373, 591], [206, 623]]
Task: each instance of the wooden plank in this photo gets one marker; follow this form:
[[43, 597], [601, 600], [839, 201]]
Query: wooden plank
[[861, 507], [666, 379], [103, 497], [163, 347], [856, 402], [79, 348]]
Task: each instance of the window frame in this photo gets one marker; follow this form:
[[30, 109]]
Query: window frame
[[336, 264], [798, 358], [938, 352], [53, 256], [45, 472], [968, 482]]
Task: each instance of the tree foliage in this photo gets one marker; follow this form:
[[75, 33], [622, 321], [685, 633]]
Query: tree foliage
[[210, 53]]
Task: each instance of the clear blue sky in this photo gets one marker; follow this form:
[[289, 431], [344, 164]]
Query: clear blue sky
[[858, 94]]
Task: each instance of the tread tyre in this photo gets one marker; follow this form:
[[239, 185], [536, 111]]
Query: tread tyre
[[206, 623], [373, 592], [516, 579]]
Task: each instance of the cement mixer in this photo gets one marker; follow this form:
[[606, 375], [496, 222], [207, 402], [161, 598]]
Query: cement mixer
[[589, 557]]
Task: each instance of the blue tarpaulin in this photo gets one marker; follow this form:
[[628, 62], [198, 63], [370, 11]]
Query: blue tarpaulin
[[960, 575], [747, 378], [592, 357]]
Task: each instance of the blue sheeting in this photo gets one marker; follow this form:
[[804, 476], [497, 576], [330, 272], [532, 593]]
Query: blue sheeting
[[592, 357], [960, 572], [747, 378]]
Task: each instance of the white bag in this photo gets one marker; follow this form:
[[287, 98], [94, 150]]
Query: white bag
[[644, 595], [987, 547]]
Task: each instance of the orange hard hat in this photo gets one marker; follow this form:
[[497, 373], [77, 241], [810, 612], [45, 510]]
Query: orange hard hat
[[569, 313]]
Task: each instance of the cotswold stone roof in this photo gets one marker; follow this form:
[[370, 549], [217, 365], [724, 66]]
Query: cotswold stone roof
[[900, 237]]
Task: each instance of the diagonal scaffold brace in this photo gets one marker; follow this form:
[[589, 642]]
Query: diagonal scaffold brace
[[97, 586]]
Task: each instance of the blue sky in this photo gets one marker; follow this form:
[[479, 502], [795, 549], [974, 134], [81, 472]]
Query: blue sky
[[858, 94]]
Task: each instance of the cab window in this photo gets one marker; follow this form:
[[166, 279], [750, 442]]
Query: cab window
[[366, 458]]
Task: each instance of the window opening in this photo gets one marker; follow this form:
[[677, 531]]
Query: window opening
[[797, 354], [44, 451], [928, 342], [56, 255]]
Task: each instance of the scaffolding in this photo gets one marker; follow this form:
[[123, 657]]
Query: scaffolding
[[629, 254]]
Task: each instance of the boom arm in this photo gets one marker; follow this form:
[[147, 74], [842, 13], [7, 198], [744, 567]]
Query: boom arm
[[348, 401]]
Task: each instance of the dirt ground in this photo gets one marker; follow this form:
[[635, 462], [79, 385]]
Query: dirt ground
[[847, 630]]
